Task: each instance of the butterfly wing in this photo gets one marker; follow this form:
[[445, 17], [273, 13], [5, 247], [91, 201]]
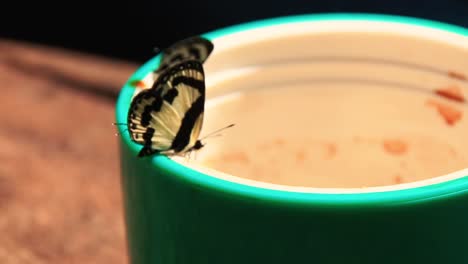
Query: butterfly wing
[[193, 48], [168, 117]]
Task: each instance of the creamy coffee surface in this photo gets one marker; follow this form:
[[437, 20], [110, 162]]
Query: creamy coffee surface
[[336, 135]]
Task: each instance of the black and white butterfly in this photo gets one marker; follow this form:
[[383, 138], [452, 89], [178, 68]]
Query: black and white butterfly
[[168, 117]]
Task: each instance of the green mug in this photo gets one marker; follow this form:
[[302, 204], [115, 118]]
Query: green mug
[[389, 185]]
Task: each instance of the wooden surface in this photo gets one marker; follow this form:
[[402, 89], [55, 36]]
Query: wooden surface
[[60, 199]]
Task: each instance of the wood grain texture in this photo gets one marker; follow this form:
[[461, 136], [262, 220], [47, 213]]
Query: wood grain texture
[[60, 197]]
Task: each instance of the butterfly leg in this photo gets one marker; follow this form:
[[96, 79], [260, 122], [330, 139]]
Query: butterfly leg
[[147, 151]]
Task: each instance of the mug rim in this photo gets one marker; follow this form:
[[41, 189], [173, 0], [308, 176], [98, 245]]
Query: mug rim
[[188, 175]]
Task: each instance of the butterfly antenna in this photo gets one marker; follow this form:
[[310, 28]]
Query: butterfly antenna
[[216, 132], [119, 124]]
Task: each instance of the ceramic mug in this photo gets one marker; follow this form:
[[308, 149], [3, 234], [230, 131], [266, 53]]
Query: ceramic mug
[[349, 147]]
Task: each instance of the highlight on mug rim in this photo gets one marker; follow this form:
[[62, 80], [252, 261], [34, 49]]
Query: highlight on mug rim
[[410, 192]]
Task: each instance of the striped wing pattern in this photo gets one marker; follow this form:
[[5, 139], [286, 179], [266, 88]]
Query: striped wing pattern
[[193, 48], [168, 117]]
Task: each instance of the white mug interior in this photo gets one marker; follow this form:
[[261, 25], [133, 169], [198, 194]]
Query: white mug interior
[[336, 105]]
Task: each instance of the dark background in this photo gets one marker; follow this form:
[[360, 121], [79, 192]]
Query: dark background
[[131, 29]]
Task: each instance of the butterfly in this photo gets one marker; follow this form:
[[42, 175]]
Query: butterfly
[[168, 117]]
